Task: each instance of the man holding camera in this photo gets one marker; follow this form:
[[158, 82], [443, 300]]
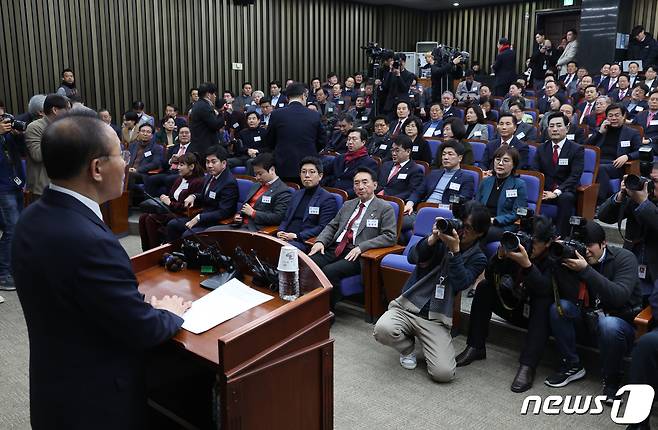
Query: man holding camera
[[395, 84], [607, 304], [442, 73], [447, 261], [520, 288]]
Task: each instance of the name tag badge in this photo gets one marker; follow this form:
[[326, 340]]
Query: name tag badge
[[430, 132], [372, 223], [402, 176], [571, 136], [563, 162], [266, 199], [18, 181], [383, 146], [437, 132], [341, 102], [653, 122], [520, 135], [510, 193], [526, 310], [444, 206], [147, 154], [364, 118], [639, 108], [236, 125], [412, 96], [477, 133], [440, 291], [642, 271], [281, 104], [314, 210], [414, 148], [212, 195], [256, 138], [454, 186], [330, 109], [625, 143]]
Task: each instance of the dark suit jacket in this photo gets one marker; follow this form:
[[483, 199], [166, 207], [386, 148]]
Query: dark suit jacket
[[409, 178], [194, 185], [603, 85], [281, 102], [565, 177], [507, 206], [627, 135], [463, 181], [152, 156], [575, 134], [650, 131], [380, 146], [615, 96], [396, 88], [294, 133], [312, 224], [271, 213], [339, 175], [526, 132], [420, 150], [492, 145], [171, 151], [204, 126], [505, 68], [224, 202], [640, 106], [89, 327]]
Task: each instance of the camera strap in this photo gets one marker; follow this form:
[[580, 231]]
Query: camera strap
[[620, 218], [556, 295], [517, 281]]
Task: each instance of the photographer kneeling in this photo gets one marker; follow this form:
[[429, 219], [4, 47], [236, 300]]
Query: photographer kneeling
[[520, 289], [447, 261], [610, 276]]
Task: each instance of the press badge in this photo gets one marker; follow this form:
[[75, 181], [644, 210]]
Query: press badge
[[236, 125], [281, 105], [653, 122], [642, 271], [454, 186], [477, 133], [414, 148], [18, 181], [383, 146], [147, 154], [412, 96], [402, 176], [563, 162], [571, 136], [440, 291], [364, 118], [625, 143], [526, 310], [341, 102], [444, 206], [430, 132], [267, 199], [520, 135], [330, 109], [256, 138], [314, 210], [372, 223], [510, 193], [639, 108], [212, 195]]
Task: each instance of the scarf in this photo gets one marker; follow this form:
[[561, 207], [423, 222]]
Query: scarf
[[503, 48], [351, 156]]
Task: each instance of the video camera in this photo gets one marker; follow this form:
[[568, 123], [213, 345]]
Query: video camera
[[510, 241], [636, 183], [444, 54], [575, 242], [15, 124], [377, 53]]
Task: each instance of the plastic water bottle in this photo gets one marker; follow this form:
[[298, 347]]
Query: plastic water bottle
[[288, 273]]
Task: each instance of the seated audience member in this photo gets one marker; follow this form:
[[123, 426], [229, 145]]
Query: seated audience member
[[380, 143], [447, 104], [579, 96], [267, 200], [446, 264], [610, 83], [453, 128], [433, 126], [336, 96], [244, 99], [640, 209], [340, 172], [648, 120], [622, 91], [400, 176], [103, 114], [145, 156], [277, 99], [650, 78], [595, 119], [349, 92], [618, 144], [218, 198], [503, 192], [311, 208], [562, 162], [534, 275], [171, 111], [254, 106], [570, 79], [587, 107], [143, 117], [603, 74], [167, 135], [506, 137], [550, 90], [152, 226], [485, 104], [442, 183], [637, 102], [360, 114], [420, 150], [574, 133], [362, 223], [251, 143], [555, 105], [633, 73], [402, 112], [524, 132], [475, 124], [337, 141], [514, 94], [468, 90], [266, 108], [485, 92], [160, 183], [326, 108], [129, 130], [610, 277]]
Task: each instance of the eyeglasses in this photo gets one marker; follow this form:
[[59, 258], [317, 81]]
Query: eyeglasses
[[502, 160]]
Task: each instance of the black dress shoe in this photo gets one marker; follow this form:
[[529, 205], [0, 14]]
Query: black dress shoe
[[469, 355], [523, 379]]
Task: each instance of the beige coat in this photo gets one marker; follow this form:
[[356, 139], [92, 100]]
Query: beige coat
[[37, 178]]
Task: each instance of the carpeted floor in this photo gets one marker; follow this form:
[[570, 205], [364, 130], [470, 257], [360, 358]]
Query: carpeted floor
[[371, 390]]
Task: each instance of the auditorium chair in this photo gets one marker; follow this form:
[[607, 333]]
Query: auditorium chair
[[534, 182], [478, 151], [425, 165], [434, 146]]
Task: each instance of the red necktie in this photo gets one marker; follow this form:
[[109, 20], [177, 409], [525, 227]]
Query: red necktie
[[349, 234], [555, 154], [252, 201], [396, 131], [394, 171]]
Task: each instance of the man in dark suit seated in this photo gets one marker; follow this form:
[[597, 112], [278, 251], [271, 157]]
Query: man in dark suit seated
[[267, 200], [586, 108], [648, 120], [637, 102], [610, 82], [380, 143], [218, 199], [622, 91], [595, 119], [278, 100], [400, 176], [524, 132], [205, 120], [310, 208], [160, 183], [544, 103], [145, 156], [89, 327], [447, 104], [618, 144], [340, 172], [506, 136], [574, 133], [363, 223], [441, 184], [338, 140], [562, 162], [294, 132], [360, 114]]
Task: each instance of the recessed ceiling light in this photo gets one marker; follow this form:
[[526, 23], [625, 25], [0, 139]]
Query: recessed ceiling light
[[455, 4]]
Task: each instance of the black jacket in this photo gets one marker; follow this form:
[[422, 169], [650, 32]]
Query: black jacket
[[505, 68], [204, 125], [647, 50], [395, 88], [566, 175]]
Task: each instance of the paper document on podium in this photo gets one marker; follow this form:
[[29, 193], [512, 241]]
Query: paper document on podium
[[222, 304]]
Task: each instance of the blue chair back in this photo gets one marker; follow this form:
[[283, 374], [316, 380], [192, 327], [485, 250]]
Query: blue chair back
[[497, 102], [530, 93], [491, 130], [587, 177], [475, 175], [478, 151], [495, 114], [532, 150], [530, 103], [339, 200], [244, 185], [491, 248], [423, 225], [434, 146], [533, 184], [459, 113], [239, 170]]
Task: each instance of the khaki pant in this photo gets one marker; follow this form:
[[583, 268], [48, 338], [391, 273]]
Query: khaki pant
[[397, 329]]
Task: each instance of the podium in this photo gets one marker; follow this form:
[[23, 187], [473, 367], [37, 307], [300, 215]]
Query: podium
[[274, 362]]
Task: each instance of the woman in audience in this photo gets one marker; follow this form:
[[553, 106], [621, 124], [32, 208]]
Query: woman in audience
[[454, 129], [475, 125], [129, 130], [485, 104], [420, 149], [168, 134], [503, 193], [555, 103], [152, 225]]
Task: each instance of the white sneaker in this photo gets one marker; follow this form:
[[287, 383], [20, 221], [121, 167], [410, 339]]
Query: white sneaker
[[2, 299], [408, 361]]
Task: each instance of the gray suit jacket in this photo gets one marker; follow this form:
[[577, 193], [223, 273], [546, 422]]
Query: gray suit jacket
[[462, 91], [385, 234], [483, 133], [37, 178], [271, 213]]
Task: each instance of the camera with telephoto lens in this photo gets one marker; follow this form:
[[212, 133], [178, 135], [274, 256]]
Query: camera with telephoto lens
[[457, 203], [447, 226], [636, 183], [15, 124], [444, 54], [567, 248], [510, 241], [374, 51]]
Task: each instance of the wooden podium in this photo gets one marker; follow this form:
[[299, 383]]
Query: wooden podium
[[274, 362]]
